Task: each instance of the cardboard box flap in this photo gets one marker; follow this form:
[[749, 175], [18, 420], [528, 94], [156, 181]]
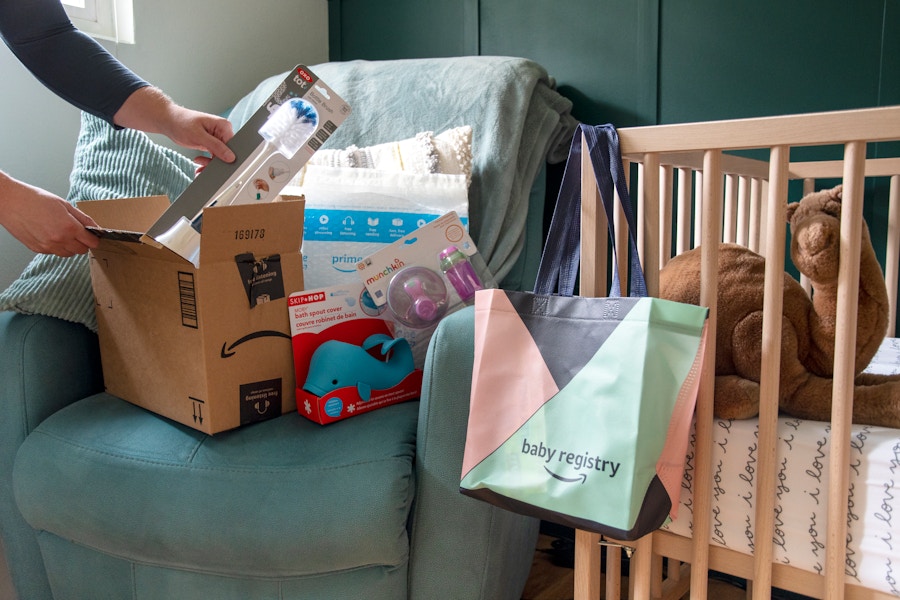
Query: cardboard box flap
[[263, 229], [126, 214]]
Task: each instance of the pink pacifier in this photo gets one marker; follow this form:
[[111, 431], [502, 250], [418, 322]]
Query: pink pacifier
[[417, 297]]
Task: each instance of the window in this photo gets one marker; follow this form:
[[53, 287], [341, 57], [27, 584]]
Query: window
[[104, 19]]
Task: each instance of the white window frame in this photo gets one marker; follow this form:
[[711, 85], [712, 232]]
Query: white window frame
[[111, 20]]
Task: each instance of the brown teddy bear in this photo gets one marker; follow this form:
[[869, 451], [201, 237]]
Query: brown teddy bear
[[808, 330]]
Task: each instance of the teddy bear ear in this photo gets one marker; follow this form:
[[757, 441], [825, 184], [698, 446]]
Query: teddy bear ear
[[791, 208], [837, 192]]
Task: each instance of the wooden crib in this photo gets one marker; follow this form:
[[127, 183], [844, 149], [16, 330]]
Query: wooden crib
[[688, 175]]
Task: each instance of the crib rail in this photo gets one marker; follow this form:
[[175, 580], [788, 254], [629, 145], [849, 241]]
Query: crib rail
[[688, 175]]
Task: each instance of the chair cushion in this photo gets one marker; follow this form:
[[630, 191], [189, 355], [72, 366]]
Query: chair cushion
[[134, 485]]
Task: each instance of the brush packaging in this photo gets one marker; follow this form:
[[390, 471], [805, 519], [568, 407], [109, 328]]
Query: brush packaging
[[270, 148]]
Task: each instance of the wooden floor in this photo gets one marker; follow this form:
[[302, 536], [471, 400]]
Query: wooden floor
[[552, 576]]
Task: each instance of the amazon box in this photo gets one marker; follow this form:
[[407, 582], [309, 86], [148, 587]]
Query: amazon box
[[207, 345]]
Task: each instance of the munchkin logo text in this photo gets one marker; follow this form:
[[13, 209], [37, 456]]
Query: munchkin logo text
[[396, 265], [556, 457]]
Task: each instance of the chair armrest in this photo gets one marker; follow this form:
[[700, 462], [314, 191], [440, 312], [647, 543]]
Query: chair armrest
[[461, 547], [46, 364]]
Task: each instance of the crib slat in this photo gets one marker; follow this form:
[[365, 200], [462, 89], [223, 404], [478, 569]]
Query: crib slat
[[709, 286], [892, 255], [666, 181], [698, 208], [844, 364], [641, 568], [729, 232], [587, 565], [809, 186], [769, 377], [648, 222], [594, 236], [755, 210], [613, 572], [593, 282], [649, 247], [683, 218], [743, 214], [763, 215]]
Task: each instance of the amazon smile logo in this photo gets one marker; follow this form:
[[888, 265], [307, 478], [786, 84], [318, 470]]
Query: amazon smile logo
[[228, 350], [580, 479]]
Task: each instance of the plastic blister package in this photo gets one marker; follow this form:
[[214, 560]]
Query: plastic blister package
[[424, 276]]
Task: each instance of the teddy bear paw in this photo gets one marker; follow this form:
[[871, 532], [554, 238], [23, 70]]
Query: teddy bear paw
[[736, 398]]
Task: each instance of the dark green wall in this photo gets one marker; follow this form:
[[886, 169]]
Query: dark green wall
[[638, 62]]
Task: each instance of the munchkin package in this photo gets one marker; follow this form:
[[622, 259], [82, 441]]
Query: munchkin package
[[424, 276]]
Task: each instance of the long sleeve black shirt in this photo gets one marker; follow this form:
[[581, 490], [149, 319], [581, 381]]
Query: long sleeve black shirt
[[70, 63]]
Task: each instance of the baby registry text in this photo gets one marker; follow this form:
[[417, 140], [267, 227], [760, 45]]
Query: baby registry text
[[579, 461]]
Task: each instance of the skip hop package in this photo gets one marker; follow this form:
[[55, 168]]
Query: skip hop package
[[346, 358]]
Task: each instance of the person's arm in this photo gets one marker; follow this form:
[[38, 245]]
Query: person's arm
[[42, 221], [71, 64], [79, 70]]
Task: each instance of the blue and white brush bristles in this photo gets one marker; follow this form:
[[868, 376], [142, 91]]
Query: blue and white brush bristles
[[290, 126]]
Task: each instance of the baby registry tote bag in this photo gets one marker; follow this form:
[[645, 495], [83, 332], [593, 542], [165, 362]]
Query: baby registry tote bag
[[581, 407]]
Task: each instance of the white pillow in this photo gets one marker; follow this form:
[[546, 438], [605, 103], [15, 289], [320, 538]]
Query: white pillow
[[449, 152]]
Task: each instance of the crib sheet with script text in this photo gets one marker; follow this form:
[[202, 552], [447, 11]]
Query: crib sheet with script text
[[873, 535]]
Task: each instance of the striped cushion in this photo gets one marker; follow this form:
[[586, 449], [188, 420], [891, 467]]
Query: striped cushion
[[109, 163]]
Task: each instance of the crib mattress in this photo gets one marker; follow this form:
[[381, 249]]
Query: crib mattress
[[873, 535]]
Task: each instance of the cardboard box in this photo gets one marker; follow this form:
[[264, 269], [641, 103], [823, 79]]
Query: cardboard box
[[208, 346], [347, 359]]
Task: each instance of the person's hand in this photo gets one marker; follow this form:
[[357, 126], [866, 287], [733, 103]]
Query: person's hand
[[43, 222], [149, 109], [200, 131]]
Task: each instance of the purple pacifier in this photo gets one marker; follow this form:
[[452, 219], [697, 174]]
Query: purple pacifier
[[417, 296]]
